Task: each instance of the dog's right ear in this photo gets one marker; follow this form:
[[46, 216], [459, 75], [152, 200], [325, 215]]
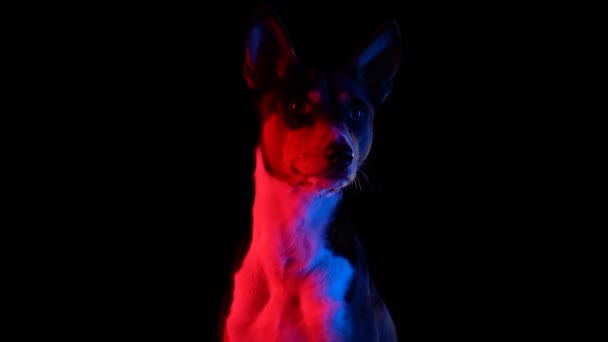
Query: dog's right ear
[[268, 50]]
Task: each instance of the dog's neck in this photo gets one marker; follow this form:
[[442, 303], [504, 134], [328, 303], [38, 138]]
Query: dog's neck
[[290, 224]]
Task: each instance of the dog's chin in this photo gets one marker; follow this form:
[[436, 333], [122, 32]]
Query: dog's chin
[[322, 184]]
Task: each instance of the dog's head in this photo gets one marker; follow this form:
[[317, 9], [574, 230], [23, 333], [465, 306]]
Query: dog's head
[[316, 125]]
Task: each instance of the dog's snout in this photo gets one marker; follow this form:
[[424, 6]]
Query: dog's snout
[[339, 155]]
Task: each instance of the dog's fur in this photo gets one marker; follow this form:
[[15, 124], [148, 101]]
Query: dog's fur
[[304, 275]]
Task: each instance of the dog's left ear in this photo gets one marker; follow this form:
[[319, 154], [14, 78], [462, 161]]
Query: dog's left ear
[[377, 60]]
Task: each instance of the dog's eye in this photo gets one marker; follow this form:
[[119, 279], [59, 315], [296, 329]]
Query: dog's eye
[[299, 106], [357, 112]]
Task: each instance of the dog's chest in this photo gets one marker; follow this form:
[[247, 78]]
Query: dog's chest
[[306, 307]]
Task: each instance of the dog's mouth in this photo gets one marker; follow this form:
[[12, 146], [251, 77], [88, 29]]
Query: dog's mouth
[[330, 180]]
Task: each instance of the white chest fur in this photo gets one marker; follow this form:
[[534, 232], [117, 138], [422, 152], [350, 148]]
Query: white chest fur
[[290, 287]]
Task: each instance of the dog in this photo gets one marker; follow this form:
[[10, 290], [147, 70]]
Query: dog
[[304, 275]]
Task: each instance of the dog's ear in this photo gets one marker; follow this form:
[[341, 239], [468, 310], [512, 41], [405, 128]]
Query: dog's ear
[[377, 60], [268, 50]]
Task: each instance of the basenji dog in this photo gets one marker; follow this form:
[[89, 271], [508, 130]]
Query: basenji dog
[[304, 275]]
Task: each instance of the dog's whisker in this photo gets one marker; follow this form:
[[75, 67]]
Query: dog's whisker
[[366, 179], [359, 181], [355, 184]]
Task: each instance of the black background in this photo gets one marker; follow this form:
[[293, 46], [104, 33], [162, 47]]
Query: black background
[[160, 190]]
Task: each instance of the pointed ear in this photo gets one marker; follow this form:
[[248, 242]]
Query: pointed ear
[[377, 61], [268, 50]]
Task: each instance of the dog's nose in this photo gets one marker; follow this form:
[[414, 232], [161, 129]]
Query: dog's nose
[[339, 155]]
